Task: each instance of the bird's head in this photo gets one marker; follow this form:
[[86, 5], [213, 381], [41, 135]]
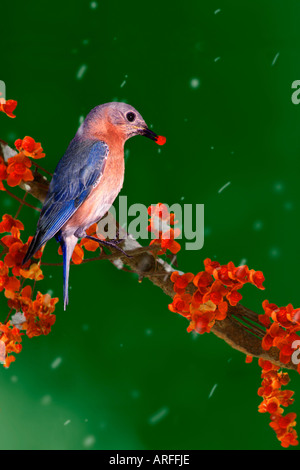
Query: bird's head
[[121, 119]]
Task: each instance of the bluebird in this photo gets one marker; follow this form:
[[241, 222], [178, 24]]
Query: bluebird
[[88, 179]]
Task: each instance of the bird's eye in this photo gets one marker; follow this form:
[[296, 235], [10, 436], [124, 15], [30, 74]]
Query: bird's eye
[[130, 117]]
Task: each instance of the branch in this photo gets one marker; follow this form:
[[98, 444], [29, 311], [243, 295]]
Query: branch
[[244, 338]]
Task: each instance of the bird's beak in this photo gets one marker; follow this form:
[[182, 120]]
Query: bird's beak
[[159, 139]]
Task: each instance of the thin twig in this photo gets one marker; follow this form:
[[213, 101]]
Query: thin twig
[[21, 205], [22, 201], [256, 329], [9, 314], [41, 168], [107, 257]]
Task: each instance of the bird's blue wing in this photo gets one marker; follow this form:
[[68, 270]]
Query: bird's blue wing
[[75, 176], [77, 173]]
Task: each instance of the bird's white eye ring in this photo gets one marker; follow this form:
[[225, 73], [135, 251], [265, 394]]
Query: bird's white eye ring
[[130, 117]]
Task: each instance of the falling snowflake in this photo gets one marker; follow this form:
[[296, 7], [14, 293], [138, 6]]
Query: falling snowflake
[[195, 83]]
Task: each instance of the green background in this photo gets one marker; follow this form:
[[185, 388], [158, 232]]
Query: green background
[[130, 376]]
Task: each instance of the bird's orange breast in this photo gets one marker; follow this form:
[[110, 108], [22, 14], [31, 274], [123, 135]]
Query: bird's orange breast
[[102, 196]]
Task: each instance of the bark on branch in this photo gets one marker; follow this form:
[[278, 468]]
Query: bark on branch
[[241, 329]]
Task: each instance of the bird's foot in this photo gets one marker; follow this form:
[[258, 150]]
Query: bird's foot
[[110, 244], [118, 240]]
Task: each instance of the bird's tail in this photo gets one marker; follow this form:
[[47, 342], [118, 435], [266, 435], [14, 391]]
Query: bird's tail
[[67, 245], [34, 246]]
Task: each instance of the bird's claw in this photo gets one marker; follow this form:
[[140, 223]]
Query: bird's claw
[[110, 244]]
